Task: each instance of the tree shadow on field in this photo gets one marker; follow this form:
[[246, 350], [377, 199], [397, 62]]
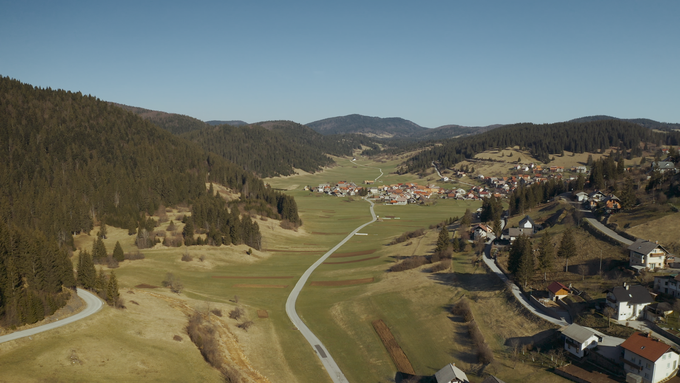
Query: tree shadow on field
[[469, 282]]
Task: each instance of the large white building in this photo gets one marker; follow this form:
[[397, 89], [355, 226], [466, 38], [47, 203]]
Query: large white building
[[651, 359], [629, 301]]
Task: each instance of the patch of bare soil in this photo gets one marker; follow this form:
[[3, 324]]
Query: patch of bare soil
[[145, 286], [262, 314], [353, 254], [347, 282], [240, 277], [356, 260], [256, 286]]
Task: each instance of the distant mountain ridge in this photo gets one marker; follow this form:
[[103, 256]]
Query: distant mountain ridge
[[392, 127], [231, 122]]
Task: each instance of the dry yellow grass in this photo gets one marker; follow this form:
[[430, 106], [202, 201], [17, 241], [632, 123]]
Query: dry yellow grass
[[664, 229]]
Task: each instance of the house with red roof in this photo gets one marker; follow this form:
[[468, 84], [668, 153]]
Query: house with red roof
[[557, 291], [649, 358]]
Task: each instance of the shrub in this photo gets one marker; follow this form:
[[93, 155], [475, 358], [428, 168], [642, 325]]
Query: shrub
[[444, 264], [408, 235], [236, 313], [134, 255], [409, 263], [245, 325], [177, 338], [187, 258], [173, 283], [217, 312], [287, 225], [462, 308]]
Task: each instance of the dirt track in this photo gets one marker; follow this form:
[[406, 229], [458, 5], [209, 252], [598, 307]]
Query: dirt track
[[347, 282], [239, 277], [356, 260], [354, 254], [400, 360], [261, 286]]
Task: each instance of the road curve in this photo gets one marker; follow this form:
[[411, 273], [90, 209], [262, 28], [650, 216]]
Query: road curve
[[326, 359], [93, 303]]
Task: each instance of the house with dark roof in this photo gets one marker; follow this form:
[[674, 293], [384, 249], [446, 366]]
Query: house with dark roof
[[664, 166], [481, 231], [451, 374], [647, 255], [628, 301], [578, 339], [492, 379], [527, 223], [557, 290], [649, 358]]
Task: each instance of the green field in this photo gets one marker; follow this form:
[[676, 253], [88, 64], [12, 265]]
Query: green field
[[415, 304]]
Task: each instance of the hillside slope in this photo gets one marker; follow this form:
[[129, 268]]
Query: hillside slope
[[172, 122], [274, 148], [369, 126]]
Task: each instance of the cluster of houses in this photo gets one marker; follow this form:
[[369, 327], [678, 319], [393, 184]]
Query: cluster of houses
[[640, 357], [597, 199], [341, 189]]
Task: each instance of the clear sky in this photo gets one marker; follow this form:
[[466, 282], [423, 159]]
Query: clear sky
[[432, 62]]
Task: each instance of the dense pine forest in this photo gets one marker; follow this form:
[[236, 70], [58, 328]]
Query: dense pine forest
[[172, 122], [542, 141], [274, 148], [70, 162]]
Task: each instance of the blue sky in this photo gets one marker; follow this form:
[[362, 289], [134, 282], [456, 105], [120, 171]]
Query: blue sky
[[434, 63]]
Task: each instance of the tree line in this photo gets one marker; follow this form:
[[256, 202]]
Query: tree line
[[545, 140], [275, 148]]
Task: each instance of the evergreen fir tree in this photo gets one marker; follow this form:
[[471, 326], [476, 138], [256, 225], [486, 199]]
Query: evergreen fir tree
[[546, 254], [497, 227], [188, 232], [86, 271], [443, 242], [112, 294], [466, 220], [118, 253], [525, 269], [567, 246]]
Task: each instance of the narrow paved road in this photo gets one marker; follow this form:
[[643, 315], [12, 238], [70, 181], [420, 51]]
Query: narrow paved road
[[93, 303], [324, 356], [516, 291], [607, 231], [326, 359]]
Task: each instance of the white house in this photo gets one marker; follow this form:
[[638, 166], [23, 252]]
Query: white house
[[628, 301], [647, 255], [649, 358], [578, 339], [451, 374], [527, 223], [581, 196], [481, 231]]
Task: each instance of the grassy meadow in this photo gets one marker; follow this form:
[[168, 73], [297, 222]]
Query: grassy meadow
[[415, 304]]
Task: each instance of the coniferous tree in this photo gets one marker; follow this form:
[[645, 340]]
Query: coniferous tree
[[443, 241], [519, 247], [567, 246], [466, 220], [497, 228], [525, 267], [546, 254], [118, 253], [628, 197], [112, 294], [188, 232], [86, 272], [98, 250]]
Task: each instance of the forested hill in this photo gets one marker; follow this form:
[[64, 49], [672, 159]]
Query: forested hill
[[232, 122], [70, 161], [545, 140], [173, 123], [452, 131], [647, 123], [370, 126], [275, 147]]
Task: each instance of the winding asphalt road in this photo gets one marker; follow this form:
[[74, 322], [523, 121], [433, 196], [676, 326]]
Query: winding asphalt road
[[326, 359], [93, 303]]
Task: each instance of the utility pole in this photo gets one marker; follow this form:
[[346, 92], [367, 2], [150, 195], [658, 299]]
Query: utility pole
[[600, 262]]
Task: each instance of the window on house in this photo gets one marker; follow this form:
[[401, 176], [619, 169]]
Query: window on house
[[649, 365], [674, 363]]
